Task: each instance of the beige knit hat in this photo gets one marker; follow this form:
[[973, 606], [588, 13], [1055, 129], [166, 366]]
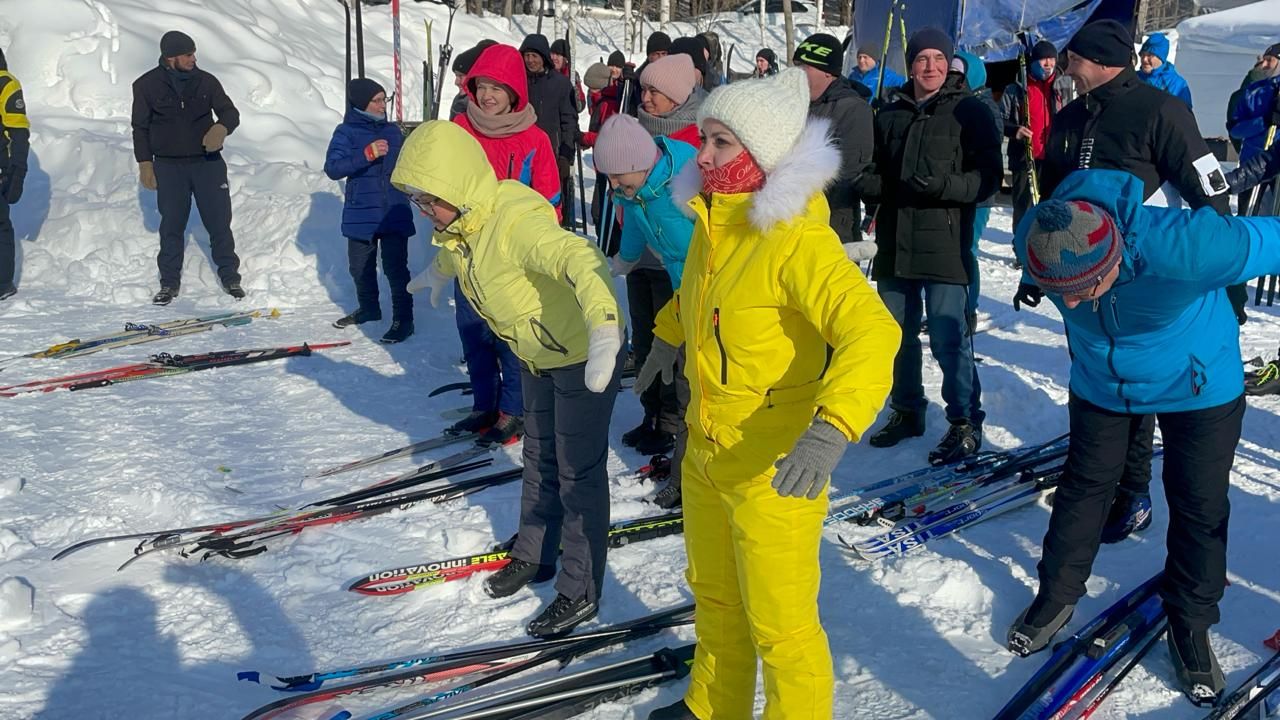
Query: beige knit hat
[[767, 115], [673, 76]]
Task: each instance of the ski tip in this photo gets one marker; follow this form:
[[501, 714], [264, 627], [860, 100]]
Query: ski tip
[[252, 676], [275, 313], [344, 715]]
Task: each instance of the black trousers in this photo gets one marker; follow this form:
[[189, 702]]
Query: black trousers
[[8, 248], [176, 183], [362, 257], [564, 501], [1199, 448], [648, 291]]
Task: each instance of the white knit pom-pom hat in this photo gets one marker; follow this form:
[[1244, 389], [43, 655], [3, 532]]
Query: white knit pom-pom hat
[[767, 115]]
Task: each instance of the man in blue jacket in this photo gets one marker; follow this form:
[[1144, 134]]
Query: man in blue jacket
[[869, 73], [1155, 69], [1142, 292], [363, 151]]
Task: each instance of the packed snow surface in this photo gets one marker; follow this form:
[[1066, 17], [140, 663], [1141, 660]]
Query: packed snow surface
[[914, 637]]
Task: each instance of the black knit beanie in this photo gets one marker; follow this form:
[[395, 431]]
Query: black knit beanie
[[175, 43], [821, 51], [658, 42], [617, 59], [1105, 42], [361, 90], [467, 58], [930, 39], [1043, 50]]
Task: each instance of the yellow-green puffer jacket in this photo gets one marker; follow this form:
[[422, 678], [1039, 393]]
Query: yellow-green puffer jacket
[[532, 281], [780, 325]]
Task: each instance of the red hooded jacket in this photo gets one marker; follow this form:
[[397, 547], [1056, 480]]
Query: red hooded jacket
[[526, 156]]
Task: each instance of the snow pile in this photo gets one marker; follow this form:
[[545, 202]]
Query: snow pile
[[1215, 52], [17, 599]]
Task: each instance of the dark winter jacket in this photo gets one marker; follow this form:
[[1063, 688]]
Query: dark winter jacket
[[170, 125], [1239, 134], [1256, 110], [1255, 171], [1164, 338], [372, 208], [852, 125], [552, 97], [933, 164], [15, 130], [1129, 125], [975, 75]]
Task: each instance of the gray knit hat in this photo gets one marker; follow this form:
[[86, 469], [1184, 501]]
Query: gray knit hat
[[1071, 245]]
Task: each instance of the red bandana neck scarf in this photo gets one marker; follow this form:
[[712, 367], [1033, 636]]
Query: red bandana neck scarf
[[739, 175]]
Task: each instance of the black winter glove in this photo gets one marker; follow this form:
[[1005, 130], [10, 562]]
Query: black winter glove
[[629, 73], [13, 187], [927, 185], [1028, 294]]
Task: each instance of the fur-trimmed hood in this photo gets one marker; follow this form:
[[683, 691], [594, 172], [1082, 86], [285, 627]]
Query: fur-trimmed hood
[[812, 164]]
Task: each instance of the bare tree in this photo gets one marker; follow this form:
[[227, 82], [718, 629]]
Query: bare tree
[[508, 8], [789, 20]]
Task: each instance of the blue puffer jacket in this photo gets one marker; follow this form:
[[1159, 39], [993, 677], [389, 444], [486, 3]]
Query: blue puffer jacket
[[1164, 338], [1166, 78], [653, 219], [872, 77], [372, 206], [1249, 118]]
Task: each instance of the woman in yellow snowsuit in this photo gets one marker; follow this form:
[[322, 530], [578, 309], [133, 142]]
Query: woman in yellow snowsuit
[[790, 357]]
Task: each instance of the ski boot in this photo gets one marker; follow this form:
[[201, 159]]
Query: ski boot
[[477, 421], [504, 431], [234, 290], [1129, 514], [1199, 676], [165, 296], [1036, 626], [562, 616], [655, 442], [516, 575], [902, 424], [677, 711], [963, 439], [632, 436], [399, 331], [668, 498], [357, 317]]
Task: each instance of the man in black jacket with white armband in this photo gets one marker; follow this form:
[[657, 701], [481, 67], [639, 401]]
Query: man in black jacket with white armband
[[181, 117]]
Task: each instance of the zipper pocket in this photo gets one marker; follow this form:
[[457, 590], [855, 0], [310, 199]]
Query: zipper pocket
[[724, 357], [550, 343]]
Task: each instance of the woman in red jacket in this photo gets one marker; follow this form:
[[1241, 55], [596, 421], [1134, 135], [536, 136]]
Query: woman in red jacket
[[499, 116]]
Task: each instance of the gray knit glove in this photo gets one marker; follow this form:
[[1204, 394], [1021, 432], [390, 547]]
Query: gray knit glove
[[661, 360], [807, 468]]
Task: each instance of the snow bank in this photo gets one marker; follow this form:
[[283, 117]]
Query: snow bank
[[17, 599], [1216, 50]]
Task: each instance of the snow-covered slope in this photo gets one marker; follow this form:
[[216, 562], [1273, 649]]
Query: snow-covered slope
[[1215, 51], [916, 637]]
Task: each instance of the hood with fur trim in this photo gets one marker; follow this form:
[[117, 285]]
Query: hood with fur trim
[[808, 168]]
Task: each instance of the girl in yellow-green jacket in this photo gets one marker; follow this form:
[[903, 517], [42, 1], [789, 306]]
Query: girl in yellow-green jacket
[[548, 294], [790, 357]]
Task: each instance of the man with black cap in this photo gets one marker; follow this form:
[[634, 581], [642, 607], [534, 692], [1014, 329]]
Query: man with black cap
[[766, 64], [562, 64], [1119, 122], [15, 141], [551, 95], [831, 96], [1047, 91], [879, 81], [181, 117], [937, 155], [657, 46]]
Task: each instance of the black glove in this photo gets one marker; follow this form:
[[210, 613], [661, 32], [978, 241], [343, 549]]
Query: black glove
[[13, 187], [629, 73], [927, 185], [1028, 294]]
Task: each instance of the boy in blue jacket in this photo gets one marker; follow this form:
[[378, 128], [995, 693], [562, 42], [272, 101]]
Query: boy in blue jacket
[[1142, 293], [640, 169], [363, 151]]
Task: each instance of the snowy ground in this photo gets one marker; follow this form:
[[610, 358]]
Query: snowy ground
[[913, 638]]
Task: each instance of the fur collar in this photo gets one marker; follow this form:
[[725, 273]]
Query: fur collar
[[811, 165]]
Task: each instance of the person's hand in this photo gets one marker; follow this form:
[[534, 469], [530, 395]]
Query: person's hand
[[619, 267], [375, 150], [214, 137], [660, 361], [147, 174], [927, 185], [429, 279], [860, 251], [807, 468], [602, 356], [13, 187], [1023, 133], [1028, 295]]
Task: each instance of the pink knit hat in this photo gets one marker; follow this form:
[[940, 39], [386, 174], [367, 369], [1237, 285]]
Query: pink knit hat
[[623, 146], [673, 76]]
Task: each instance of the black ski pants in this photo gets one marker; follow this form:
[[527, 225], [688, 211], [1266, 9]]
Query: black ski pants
[[648, 291], [1199, 449], [362, 258], [8, 248], [177, 181], [564, 502]]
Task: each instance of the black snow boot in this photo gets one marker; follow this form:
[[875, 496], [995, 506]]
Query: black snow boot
[[963, 439], [902, 425], [668, 498], [677, 711], [1036, 626], [632, 436], [165, 296], [234, 290], [475, 422], [516, 575], [656, 442], [504, 431], [357, 317], [399, 331], [1199, 676], [562, 616]]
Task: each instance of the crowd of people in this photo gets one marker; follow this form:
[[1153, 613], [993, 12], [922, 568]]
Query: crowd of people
[[735, 212]]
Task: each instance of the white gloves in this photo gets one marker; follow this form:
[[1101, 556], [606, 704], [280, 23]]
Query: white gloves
[[602, 356], [860, 251], [619, 267], [429, 279]]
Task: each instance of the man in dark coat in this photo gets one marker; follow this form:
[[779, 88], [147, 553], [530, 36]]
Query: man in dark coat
[[181, 117], [15, 141], [831, 96], [552, 97], [937, 155]]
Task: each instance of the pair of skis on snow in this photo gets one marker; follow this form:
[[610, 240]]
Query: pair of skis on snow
[[561, 696]]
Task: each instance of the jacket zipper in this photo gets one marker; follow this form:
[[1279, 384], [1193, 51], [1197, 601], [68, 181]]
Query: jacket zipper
[[1111, 351], [475, 287], [724, 357]]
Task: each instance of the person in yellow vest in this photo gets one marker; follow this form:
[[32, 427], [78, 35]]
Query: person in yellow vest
[[15, 140], [789, 359], [548, 294]]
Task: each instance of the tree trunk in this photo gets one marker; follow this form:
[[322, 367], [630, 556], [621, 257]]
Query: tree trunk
[[791, 28], [846, 13], [508, 9], [664, 13]]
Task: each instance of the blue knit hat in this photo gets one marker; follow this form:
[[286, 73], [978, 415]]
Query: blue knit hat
[[1157, 44], [1071, 245]]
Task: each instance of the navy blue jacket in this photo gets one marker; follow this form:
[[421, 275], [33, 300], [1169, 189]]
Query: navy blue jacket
[[1164, 338], [372, 206]]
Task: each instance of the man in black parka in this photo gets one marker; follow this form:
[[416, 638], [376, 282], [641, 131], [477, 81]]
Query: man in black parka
[[551, 95], [181, 117], [937, 155]]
